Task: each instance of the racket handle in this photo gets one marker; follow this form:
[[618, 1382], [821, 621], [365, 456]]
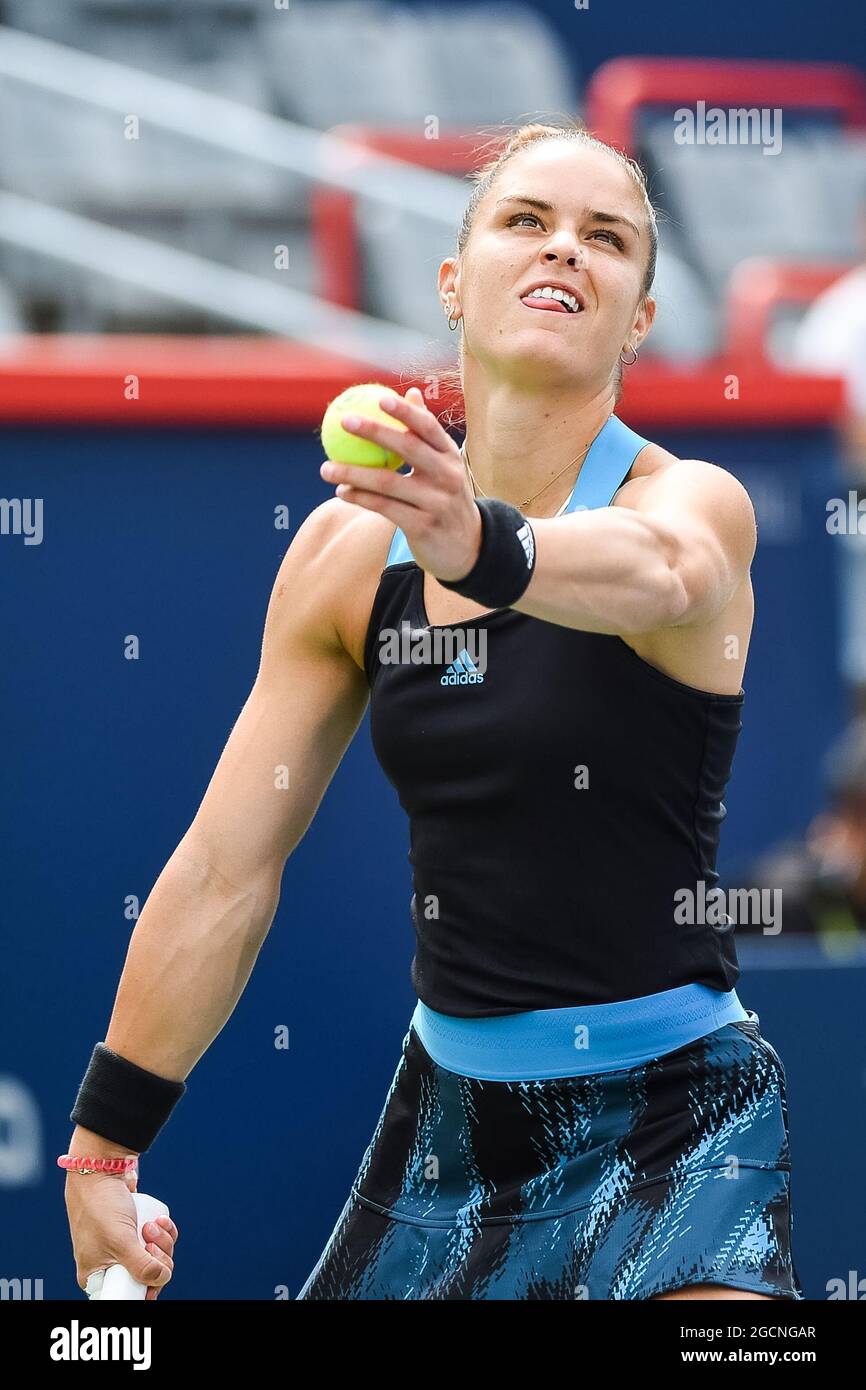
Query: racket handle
[[116, 1282]]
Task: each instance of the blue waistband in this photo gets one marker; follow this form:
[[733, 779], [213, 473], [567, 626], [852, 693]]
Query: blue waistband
[[580, 1041]]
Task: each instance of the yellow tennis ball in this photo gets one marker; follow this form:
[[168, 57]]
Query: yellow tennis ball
[[342, 447]]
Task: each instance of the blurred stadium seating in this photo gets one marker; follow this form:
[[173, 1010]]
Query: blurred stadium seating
[[390, 71]]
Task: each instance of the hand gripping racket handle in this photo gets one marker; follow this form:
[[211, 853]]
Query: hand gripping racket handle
[[116, 1282]]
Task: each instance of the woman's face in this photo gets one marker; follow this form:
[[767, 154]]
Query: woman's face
[[562, 213]]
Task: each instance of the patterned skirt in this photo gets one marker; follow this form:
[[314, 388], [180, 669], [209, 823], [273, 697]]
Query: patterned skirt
[[619, 1185]]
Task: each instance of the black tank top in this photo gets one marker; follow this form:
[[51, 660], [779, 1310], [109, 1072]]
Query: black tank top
[[560, 792]]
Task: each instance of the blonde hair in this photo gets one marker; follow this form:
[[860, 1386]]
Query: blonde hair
[[483, 179]]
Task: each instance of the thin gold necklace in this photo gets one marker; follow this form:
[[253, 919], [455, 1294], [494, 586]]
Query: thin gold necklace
[[479, 491]]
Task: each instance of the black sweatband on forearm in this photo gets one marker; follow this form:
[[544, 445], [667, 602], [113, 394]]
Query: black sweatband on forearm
[[506, 558], [123, 1102]]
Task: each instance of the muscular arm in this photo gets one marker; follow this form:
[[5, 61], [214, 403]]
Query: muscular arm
[[674, 556], [200, 931]]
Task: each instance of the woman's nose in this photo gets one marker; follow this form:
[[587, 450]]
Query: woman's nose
[[567, 251]]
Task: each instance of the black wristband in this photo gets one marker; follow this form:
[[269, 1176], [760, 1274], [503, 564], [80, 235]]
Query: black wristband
[[123, 1102], [506, 558]]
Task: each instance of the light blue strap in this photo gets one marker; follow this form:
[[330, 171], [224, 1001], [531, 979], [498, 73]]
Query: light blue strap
[[605, 467], [399, 550], [611, 455], [580, 1041]]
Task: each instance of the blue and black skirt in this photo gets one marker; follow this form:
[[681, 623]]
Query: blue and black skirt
[[619, 1182]]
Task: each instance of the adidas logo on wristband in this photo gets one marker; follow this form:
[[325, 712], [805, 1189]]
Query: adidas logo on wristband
[[524, 535]]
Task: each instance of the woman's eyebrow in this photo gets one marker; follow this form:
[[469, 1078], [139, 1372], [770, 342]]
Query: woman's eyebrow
[[613, 217], [530, 202], [593, 214]]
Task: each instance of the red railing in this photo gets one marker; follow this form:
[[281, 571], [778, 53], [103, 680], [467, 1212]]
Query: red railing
[[757, 289], [621, 89], [336, 251], [151, 380], [266, 382]]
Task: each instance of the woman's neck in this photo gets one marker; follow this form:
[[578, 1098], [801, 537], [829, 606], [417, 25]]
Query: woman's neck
[[517, 442]]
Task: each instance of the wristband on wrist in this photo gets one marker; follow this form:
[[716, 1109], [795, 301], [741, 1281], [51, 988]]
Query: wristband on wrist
[[122, 1101], [506, 559]]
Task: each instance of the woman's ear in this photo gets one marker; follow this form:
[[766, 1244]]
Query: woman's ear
[[643, 319], [448, 292]]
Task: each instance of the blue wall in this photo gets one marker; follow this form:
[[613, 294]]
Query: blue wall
[[775, 29], [169, 535]]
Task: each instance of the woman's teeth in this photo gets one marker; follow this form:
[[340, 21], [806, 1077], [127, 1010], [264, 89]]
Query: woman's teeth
[[550, 296]]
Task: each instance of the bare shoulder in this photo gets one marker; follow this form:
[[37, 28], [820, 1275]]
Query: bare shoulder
[[655, 465], [692, 489], [332, 569], [699, 498]]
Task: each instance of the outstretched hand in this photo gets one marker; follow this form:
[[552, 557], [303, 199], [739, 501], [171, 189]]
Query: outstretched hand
[[433, 505]]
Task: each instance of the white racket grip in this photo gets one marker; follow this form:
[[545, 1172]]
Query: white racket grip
[[116, 1282]]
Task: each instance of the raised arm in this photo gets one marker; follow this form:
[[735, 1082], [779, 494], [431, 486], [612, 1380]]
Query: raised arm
[[673, 555], [671, 551]]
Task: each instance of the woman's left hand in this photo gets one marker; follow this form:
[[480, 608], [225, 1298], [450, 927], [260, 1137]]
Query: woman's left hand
[[433, 505]]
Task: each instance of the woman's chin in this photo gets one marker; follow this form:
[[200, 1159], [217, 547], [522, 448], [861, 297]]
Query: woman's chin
[[541, 357]]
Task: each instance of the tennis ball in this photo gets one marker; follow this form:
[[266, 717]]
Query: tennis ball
[[342, 447]]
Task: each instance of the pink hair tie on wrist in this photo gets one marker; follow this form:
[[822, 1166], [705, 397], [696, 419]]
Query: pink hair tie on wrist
[[77, 1163]]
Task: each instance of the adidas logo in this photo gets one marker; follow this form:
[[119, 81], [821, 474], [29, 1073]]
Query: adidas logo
[[463, 671], [524, 535]]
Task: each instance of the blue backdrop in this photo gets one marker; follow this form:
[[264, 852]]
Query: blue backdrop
[[777, 30], [169, 535]]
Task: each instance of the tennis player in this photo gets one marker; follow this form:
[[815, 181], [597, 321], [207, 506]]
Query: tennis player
[[582, 1106]]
